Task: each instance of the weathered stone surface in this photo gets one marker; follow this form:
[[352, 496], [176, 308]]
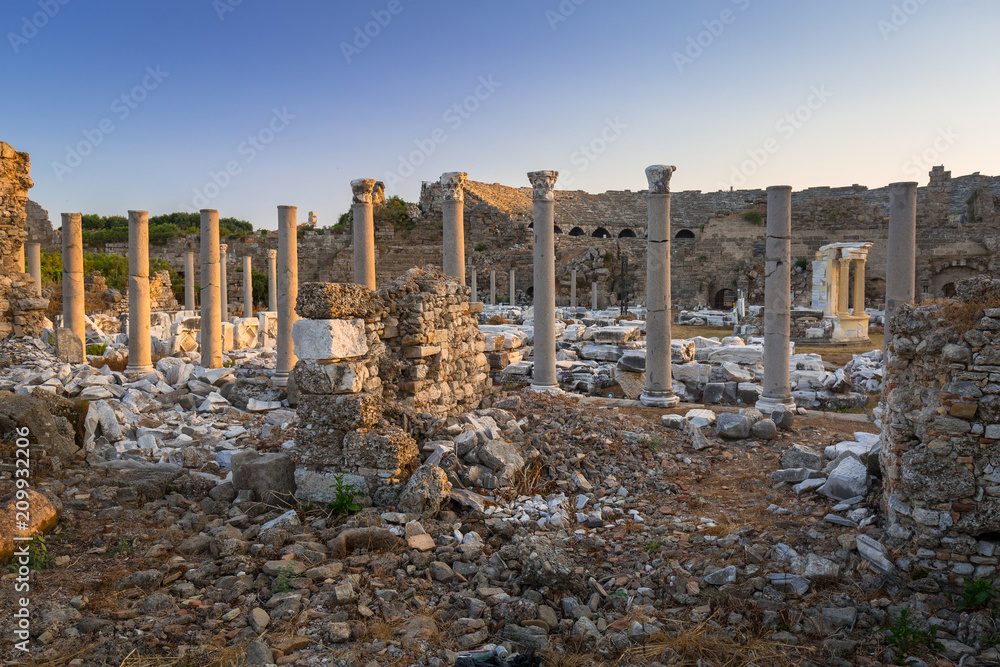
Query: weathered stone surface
[[28, 412], [343, 377], [801, 456], [849, 479], [270, 476], [337, 301], [732, 426], [43, 516], [936, 478], [69, 347], [329, 339], [426, 493], [258, 388], [385, 449]]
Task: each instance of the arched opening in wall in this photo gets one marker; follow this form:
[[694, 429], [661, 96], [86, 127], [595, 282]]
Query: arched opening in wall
[[576, 231], [556, 229], [684, 234], [531, 225], [948, 290], [724, 299], [601, 233], [949, 276], [626, 234], [530, 292]]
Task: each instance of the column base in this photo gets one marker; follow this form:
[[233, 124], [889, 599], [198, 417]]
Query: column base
[[546, 389], [129, 370], [769, 405], [280, 379], [659, 399]]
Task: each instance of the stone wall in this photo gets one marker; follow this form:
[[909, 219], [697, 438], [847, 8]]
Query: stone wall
[[20, 312], [940, 451], [40, 227]]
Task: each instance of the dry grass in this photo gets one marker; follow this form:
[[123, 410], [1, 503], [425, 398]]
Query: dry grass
[[497, 319], [687, 331], [529, 481], [551, 658], [965, 315]]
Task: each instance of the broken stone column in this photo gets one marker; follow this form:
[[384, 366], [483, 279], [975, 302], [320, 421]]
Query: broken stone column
[[777, 392], [572, 289], [475, 286], [364, 232], [593, 296], [513, 289], [288, 289], [139, 353], [211, 308], [272, 280], [189, 282], [453, 261], [544, 199], [247, 287], [34, 262], [659, 390], [223, 281], [493, 287], [74, 318], [901, 262]]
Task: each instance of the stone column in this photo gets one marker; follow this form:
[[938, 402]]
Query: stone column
[[832, 301], [72, 261], [247, 287], [453, 261], [211, 308], [272, 280], [513, 288], [224, 281], [544, 199], [493, 287], [139, 354], [20, 259], [288, 289], [777, 300], [572, 289], [475, 287], [844, 288], [859, 287], [34, 261], [189, 281], [593, 296], [659, 391], [901, 262], [364, 232]]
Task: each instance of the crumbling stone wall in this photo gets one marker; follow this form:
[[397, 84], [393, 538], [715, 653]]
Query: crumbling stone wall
[[940, 453], [39, 226], [20, 312]]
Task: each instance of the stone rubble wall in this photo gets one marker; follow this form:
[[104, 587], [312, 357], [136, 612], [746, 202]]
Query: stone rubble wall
[[940, 449], [21, 313]]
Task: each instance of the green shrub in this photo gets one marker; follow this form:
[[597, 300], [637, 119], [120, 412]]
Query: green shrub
[[393, 212], [907, 638], [480, 247], [344, 497], [754, 217], [96, 350], [802, 263], [977, 593]]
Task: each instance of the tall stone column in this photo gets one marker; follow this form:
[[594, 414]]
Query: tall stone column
[[859, 287], [777, 300], [572, 289], [247, 287], [544, 199], [901, 262], [139, 353], [211, 308], [272, 279], [364, 232], [593, 296], [74, 318], [475, 286], [224, 281], [513, 288], [844, 288], [189, 281], [288, 289], [453, 261], [659, 391], [34, 262], [493, 287]]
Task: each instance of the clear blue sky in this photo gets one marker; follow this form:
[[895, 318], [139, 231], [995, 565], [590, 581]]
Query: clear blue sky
[[535, 81]]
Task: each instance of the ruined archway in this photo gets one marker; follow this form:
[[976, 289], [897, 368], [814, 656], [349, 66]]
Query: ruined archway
[[576, 231], [601, 233], [949, 276], [684, 234], [626, 234], [724, 299]]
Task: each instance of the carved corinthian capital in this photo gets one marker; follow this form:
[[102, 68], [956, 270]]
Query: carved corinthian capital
[[451, 183], [658, 176], [543, 183], [272, 253], [362, 189]]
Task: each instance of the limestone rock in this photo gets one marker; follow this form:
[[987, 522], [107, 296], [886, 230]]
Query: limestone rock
[[426, 493], [337, 301], [270, 476]]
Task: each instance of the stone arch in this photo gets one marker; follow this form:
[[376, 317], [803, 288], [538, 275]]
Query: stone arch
[[626, 234], [949, 276], [576, 231], [530, 292], [601, 233], [724, 299], [684, 234], [556, 229]]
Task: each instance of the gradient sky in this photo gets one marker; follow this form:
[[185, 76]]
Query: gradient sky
[[595, 89]]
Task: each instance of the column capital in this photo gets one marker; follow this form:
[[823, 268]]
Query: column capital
[[363, 189], [658, 176], [272, 253], [223, 247], [452, 182], [543, 183]]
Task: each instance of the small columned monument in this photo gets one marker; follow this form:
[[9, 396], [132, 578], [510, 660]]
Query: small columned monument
[[839, 292]]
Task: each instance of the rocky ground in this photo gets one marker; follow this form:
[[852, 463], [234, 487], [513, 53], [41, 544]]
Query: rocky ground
[[624, 540]]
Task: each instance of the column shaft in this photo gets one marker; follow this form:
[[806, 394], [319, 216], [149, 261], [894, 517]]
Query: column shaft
[[453, 232], [859, 287], [544, 351], [659, 390], [211, 308], [247, 287], [288, 290], [493, 287], [513, 288], [189, 281], [475, 287], [777, 300], [74, 318], [901, 261], [224, 281], [844, 288], [364, 232], [272, 280], [572, 289], [34, 262], [593, 296], [139, 352]]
